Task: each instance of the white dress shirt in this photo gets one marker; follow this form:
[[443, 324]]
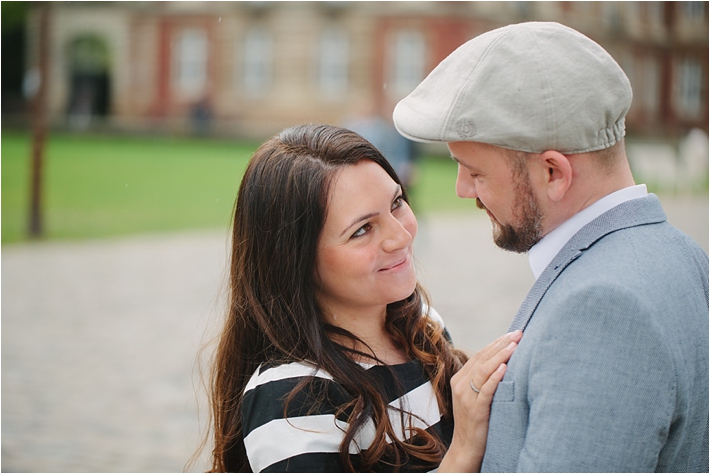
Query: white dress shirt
[[542, 253]]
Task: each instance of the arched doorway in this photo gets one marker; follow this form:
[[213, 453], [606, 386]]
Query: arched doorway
[[89, 95]]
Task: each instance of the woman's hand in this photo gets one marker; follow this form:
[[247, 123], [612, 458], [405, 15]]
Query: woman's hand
[[472, 389]]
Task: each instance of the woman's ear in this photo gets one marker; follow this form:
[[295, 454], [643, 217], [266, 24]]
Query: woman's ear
[[557, 174]]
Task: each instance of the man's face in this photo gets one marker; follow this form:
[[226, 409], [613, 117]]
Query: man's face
[[486, 174]]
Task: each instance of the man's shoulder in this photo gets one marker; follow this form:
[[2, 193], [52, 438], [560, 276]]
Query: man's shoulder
[[653, 274], [657, 245]]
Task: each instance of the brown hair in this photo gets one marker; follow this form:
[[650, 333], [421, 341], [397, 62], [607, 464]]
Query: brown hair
[[273, 314]]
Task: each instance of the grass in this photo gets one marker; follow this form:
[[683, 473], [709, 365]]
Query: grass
[[105, 186], [99, 186]]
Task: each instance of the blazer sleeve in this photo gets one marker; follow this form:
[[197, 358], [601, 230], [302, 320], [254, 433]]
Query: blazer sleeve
[[601, 388]]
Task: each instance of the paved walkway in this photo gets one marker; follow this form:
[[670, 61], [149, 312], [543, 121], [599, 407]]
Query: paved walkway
[[99, 339]]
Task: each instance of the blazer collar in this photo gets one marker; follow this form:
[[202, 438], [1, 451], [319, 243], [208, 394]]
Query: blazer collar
[[632, 213]]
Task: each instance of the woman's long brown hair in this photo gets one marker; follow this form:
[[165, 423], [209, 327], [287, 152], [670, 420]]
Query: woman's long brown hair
[[273, 313]]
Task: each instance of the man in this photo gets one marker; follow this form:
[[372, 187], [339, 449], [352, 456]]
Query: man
[[612, 372]]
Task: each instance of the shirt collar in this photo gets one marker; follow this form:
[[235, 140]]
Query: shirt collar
[[542, 253]]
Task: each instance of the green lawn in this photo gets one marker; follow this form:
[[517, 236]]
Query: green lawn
[[97, 186]]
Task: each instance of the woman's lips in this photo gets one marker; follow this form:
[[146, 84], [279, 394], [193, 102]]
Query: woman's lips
[[396, 266]]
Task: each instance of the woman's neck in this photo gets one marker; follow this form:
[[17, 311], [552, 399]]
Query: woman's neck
[[368, 324]]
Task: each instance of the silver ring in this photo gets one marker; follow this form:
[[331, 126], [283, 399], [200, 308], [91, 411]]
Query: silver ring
[[473, 387]]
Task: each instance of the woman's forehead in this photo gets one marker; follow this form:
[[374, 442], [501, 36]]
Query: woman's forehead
[[358, 190]]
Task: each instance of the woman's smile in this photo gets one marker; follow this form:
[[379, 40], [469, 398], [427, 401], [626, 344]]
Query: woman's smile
[[398, 266], [365, 249]]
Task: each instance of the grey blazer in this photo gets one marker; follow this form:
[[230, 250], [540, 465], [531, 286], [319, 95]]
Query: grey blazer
[[612, 371]]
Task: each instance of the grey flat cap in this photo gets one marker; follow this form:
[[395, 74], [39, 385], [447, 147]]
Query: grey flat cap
[[530, 87]]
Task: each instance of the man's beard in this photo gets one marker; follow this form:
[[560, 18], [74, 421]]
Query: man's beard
[[519, 238]]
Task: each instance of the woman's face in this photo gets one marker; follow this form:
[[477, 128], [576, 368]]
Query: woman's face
[[364, 256]]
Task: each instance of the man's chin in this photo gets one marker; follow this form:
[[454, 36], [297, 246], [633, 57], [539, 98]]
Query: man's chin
[[508, 239]]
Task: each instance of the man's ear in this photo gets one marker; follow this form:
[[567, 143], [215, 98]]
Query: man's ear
[[557, 174]]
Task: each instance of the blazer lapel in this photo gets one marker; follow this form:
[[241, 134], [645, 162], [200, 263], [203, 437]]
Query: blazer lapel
[[632, 213], [567, 255]]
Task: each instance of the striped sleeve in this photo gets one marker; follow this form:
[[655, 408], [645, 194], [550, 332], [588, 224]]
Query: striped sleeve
[[309, 437]]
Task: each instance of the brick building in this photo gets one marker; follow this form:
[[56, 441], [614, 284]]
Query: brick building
[[251, 68]]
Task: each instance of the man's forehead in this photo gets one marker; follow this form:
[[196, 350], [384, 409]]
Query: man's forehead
[[470, 154]]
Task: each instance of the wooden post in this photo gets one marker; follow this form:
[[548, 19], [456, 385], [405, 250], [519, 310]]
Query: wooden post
[[39, 125]]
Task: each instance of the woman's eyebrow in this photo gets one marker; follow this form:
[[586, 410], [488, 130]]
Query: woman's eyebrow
[[359, 219], [370, 215]]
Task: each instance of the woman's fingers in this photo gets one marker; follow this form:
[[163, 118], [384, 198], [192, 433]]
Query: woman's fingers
[[472, 388], [485, 396], [483, 370], [476, 372], [496, 346]]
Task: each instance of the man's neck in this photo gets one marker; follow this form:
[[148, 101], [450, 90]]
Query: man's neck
[[542, 253], [590, 184]]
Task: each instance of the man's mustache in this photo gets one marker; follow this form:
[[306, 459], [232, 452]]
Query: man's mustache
[[480, 205]]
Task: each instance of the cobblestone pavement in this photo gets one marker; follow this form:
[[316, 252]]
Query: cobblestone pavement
[[99, 338]]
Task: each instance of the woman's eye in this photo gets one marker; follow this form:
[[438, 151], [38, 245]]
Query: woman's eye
[[361, 231], [399, 200]]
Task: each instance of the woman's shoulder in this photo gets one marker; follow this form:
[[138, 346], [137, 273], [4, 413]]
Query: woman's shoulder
[[283, 374], [290, 413], [291, 389], [436, 318], [433, 315]]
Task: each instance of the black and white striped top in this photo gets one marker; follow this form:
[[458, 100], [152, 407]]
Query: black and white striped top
[[309, 438]]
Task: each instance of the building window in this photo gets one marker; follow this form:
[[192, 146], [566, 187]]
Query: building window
[[257, 66], [651, 83], [611, 14], [655, 13], [333, 61], [694, 11], [190, 62], [688, 87], [523, 9], [407, 59]]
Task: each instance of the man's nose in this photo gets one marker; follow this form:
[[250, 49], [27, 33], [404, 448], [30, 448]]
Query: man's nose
[[465, 185]]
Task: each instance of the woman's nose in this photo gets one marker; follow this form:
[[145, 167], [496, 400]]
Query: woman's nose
[[397, 236]]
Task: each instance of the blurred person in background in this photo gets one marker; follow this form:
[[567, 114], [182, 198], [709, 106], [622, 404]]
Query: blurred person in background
[[331, 358], [401, 152], [612, 374]]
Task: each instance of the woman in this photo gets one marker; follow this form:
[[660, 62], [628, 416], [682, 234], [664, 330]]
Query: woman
[[330, 359]]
